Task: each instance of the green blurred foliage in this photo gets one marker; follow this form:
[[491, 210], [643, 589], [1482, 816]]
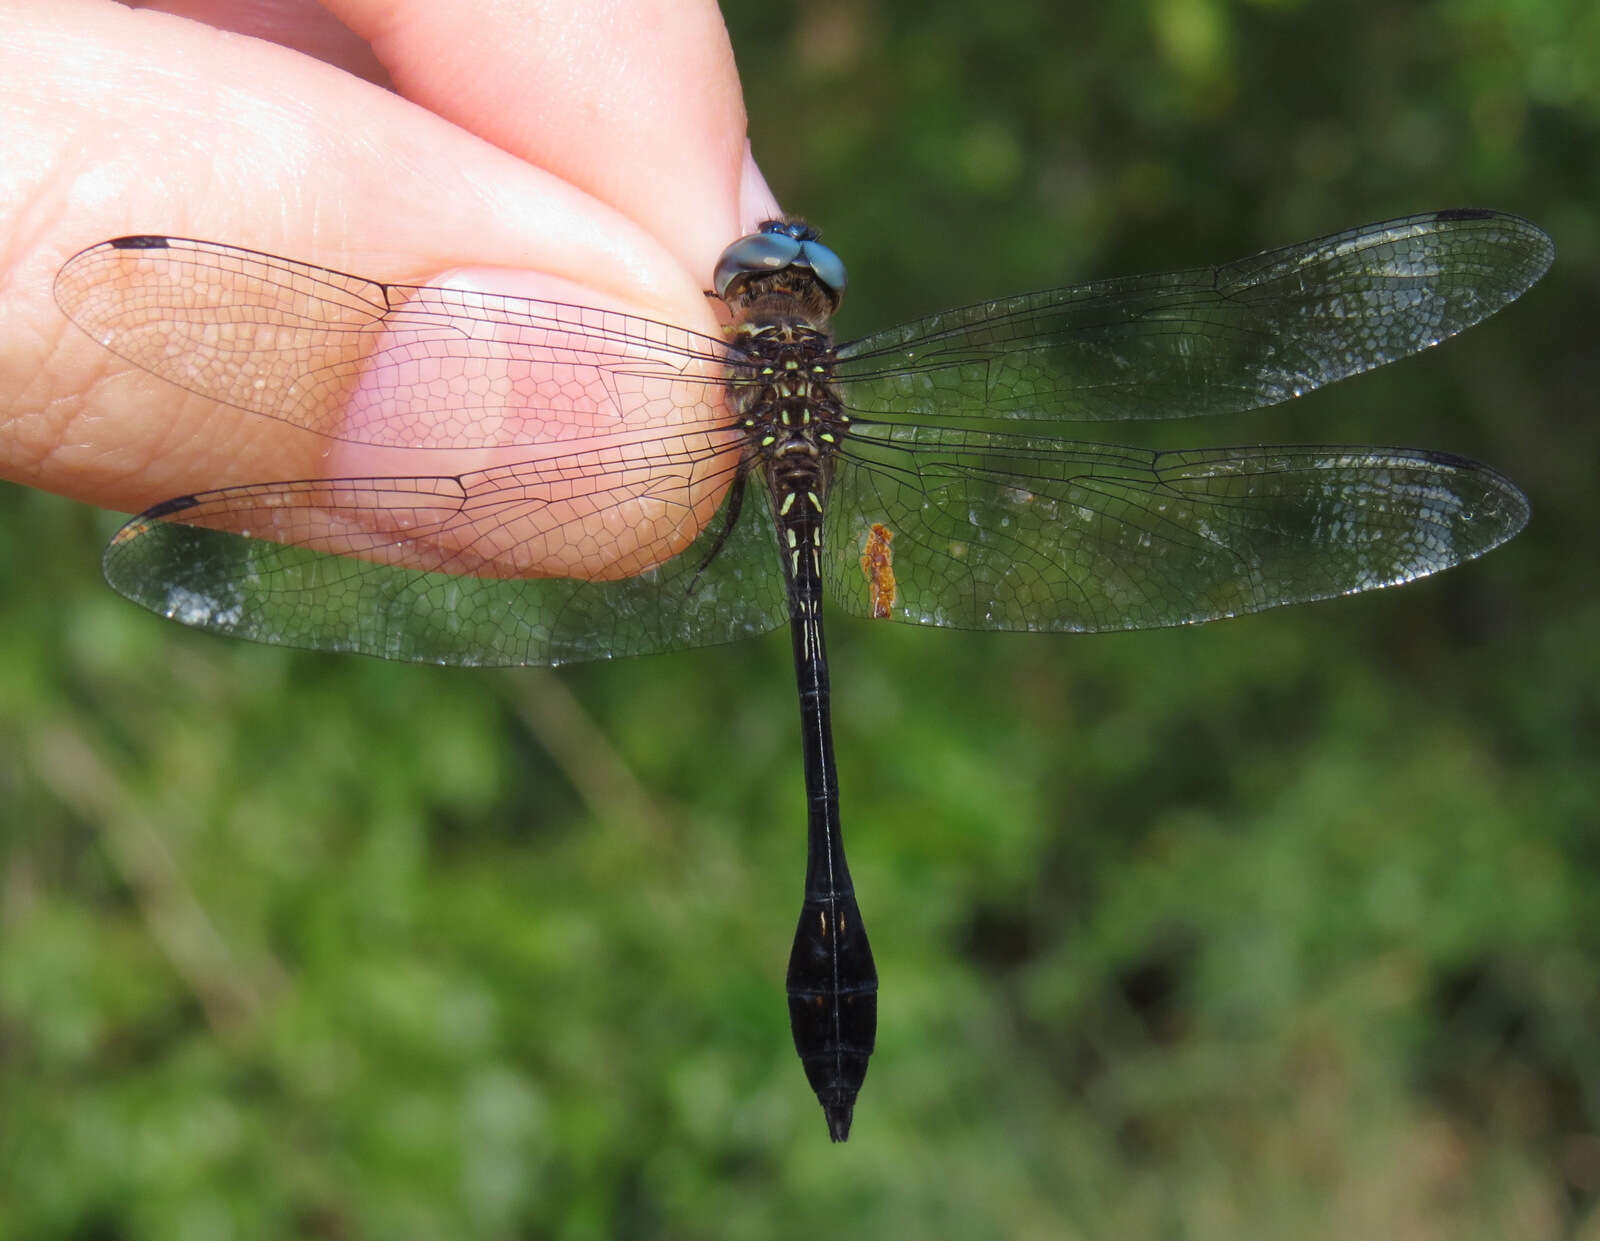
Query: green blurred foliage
[[1277, 927]]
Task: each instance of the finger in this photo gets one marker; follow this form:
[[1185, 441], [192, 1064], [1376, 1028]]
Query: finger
[[558, 137], [756, 200], [199, 132], [637, 101], [302, 25]]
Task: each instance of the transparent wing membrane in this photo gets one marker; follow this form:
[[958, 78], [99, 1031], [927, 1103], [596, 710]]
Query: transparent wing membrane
[[322, 582], [395, 365], [967, 527], [1011, 532], [1210, 340]]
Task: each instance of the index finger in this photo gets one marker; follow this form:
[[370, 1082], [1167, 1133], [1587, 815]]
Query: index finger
[[635, 101]]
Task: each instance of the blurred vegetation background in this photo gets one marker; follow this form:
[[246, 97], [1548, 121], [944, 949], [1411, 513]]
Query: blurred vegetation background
[[1277, 927]]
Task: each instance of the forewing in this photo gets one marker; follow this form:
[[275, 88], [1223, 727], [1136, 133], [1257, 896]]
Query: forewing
[[386, 364], [1210, 340], [989, 531]]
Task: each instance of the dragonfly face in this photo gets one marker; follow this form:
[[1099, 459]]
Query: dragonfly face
[[888, 488], [780, 246]]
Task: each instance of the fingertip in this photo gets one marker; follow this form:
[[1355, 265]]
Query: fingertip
[[757, 203]]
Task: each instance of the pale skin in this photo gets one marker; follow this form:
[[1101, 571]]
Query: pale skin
[[592, 153]]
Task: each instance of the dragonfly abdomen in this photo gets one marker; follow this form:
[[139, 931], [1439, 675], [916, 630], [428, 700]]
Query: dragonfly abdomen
[[793, 422]]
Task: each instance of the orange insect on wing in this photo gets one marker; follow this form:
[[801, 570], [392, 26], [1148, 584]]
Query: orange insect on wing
[[877, 562]]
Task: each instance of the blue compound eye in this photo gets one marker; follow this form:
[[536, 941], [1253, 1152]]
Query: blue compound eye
[[827, 266], [779, 244], [753, 256]]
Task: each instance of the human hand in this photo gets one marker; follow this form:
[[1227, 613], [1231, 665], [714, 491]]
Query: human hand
[[598, 146]]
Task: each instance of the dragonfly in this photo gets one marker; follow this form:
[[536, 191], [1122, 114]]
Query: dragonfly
[[915, 474]]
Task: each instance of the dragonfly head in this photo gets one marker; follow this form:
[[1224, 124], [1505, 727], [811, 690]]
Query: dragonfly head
[[788, 249]]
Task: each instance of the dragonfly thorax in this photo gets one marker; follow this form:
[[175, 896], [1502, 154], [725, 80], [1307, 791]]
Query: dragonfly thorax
[[781, 386]]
